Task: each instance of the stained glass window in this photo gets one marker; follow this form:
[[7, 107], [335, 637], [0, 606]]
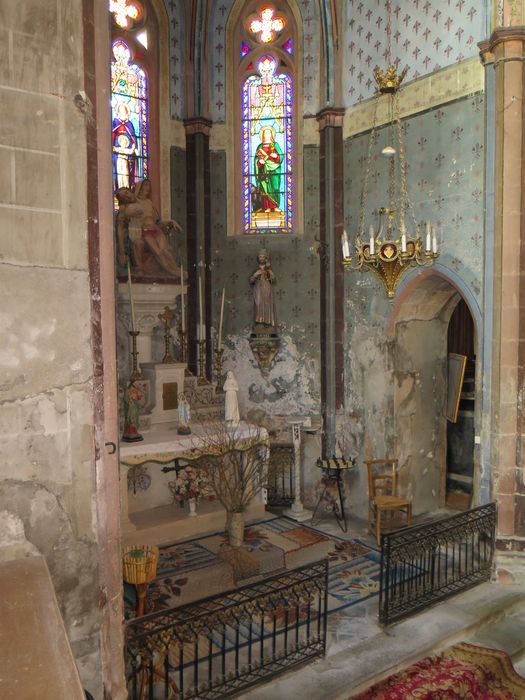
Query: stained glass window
[[267, 150], [129, 112], [126, 13], [288, 45], [266, 25]]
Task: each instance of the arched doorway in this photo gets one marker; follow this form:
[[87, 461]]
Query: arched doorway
[[460, 426], [419, 326]]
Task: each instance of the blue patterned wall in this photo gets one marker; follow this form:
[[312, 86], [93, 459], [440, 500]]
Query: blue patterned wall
[[426, 35], [445, 153]]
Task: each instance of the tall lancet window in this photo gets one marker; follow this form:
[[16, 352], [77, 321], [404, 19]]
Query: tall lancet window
[[129, 111], [266, 44], [134, 68]]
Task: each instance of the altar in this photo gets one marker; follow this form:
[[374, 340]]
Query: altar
[[148, 513]]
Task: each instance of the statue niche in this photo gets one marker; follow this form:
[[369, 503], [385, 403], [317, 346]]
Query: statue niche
[[264, 339], [143, 239]]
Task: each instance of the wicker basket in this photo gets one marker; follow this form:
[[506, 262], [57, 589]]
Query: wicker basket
[[140, 563]]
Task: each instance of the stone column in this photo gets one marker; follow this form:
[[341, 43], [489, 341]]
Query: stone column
[[331, 282], [504, 55], [198, 233]]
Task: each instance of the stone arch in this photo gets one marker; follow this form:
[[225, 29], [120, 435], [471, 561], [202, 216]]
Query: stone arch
[[418, 327]]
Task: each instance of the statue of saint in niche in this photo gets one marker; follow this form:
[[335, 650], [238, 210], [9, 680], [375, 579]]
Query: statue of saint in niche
[[141, 233], [262, 281]]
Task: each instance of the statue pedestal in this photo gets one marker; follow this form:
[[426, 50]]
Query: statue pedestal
[[166, 383]]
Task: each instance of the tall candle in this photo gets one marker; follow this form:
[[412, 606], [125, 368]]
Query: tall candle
[[434, 241], [182, 310], [428, 243], [132, 305], [219, 344], [346, 245], [201, 313], [372, 240]]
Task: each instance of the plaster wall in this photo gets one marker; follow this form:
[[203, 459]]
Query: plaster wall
[[46, 391], [394, 386]]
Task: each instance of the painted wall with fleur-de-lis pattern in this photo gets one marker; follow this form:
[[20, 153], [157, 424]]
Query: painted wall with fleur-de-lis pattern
[[426, 35], [293, 384]]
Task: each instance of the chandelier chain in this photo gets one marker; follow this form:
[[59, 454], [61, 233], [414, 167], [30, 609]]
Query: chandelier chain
[[364, 191]]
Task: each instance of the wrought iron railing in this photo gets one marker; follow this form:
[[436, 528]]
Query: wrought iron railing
[[218, 646], [281, 490], [424, 564]]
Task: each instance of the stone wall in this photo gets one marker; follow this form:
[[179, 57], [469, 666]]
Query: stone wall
[[46, 401]]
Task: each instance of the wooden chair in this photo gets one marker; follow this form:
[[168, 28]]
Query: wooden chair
[[382, 494]]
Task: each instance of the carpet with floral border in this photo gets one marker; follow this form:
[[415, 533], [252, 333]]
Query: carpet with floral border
[[461, 672]]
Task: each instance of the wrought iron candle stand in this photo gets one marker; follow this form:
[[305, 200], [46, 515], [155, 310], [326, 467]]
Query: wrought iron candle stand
[[333, 476], [218, 368], [202, 363], [135, 371]]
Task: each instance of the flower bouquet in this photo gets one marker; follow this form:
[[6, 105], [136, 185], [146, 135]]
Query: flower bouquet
[[191, 483]]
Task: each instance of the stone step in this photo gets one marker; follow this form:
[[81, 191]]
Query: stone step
[[360, 653], [505, 633]]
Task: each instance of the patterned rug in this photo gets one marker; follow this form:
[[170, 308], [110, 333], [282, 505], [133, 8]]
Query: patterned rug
[[203, 567], [462, 672]]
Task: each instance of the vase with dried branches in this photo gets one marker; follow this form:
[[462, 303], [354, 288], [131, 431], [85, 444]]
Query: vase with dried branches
[[235, 460]]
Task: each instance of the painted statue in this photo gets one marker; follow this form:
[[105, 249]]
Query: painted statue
[[231, 406], [262, 280], [268, 159], [151, 250], [132, 404], [184, 415]]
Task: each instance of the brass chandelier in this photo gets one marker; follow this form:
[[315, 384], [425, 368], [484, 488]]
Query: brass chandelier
[[397, 244]]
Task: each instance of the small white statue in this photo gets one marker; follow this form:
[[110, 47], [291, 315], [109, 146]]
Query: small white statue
[[184, 415], [231, 409]]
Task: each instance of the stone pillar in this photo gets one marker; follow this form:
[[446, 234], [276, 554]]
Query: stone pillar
[[198, 233], [331, 282], [504, 54]]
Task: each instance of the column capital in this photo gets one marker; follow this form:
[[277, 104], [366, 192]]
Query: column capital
[[330, 116], [503, 35], [197, 125]]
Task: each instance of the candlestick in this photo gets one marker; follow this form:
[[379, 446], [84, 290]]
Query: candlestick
[[166, 318], [182, 310], [132, 305], [135, 371], [219, 344], [218, 368], [184, 352], [202, 361]]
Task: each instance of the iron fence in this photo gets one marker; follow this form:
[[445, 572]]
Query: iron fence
[[424, 564], [221, 645], [281, 488]]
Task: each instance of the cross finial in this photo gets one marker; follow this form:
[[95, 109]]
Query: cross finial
[[267, 24]]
